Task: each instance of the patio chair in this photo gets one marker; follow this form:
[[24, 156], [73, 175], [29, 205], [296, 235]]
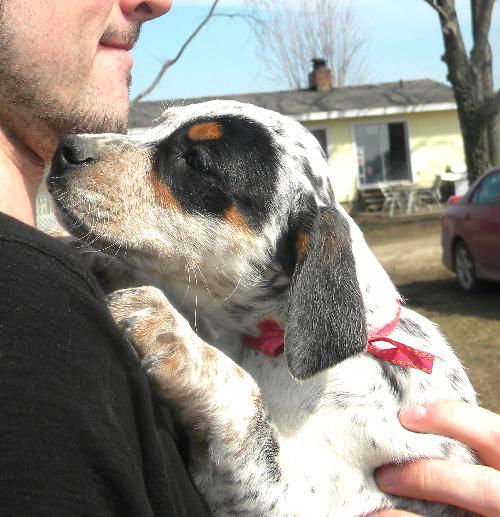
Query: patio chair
[[393, 199], [428, 196]]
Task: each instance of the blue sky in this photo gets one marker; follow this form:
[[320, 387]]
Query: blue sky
[[404, 42]]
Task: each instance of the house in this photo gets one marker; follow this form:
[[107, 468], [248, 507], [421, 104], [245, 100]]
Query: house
[[374, 135]]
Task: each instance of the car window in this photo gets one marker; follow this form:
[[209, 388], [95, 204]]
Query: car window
[[488, 192]]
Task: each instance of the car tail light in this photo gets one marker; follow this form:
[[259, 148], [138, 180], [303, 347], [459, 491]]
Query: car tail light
[[453, 200]]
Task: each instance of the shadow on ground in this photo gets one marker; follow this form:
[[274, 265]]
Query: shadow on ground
[[444, 296]]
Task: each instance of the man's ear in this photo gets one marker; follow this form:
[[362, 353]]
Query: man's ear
[[326, 315]]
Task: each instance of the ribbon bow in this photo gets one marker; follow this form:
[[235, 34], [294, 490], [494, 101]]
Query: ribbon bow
[[272, 338], [401, 355]]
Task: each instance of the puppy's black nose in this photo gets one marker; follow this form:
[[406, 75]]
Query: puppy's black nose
[[76, 151], [72, 154]]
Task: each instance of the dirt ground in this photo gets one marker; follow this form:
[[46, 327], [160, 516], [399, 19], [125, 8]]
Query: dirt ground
[[410, 250]]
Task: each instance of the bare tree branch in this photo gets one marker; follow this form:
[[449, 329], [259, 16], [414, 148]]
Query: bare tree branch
[[170, 62], [290, 34], [434, 4], [481, 23]]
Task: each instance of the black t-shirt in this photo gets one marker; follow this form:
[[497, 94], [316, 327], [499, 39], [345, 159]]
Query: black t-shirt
[[79, 433]]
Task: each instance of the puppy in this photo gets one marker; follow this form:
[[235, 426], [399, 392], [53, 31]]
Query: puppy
[[276, 336]]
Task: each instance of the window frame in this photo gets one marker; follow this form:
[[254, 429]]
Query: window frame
[[381, 184], [324, 128]]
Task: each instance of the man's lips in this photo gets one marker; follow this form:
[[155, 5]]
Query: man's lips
[[117, 45], [119, 50]]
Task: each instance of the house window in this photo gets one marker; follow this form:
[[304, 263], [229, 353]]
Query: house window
[[382, 151], [320, 135]]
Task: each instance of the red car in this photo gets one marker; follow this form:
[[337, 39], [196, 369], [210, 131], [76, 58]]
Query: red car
[[470, 234]]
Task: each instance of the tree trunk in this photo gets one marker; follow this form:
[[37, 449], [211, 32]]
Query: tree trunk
[[468, 87], [480, 29], [493, 123], [494, 140], [476, 146]]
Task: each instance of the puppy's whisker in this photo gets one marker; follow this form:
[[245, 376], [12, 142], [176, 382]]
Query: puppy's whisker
[[219, 303], [187, 290], [233, 291], [196, 303], [116, 252], [206, 285]]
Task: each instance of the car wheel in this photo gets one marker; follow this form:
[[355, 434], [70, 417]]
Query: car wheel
[[464, 268]]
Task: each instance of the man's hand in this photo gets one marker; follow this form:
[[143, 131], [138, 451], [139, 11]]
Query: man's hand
[[473, 487]]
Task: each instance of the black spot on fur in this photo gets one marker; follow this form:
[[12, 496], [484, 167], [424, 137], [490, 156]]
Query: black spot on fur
[[269, 446], [393, 380], [208, 176], [455, 377], [423, 386], [276, 286], [362, 488], [238, 309], [446, 449], [412, 328], [316, 181], [358, 421]]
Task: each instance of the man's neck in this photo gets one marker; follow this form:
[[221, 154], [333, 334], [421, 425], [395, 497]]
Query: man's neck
[[21, 171]]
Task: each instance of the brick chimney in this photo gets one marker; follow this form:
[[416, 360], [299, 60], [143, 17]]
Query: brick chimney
[[320, 79]]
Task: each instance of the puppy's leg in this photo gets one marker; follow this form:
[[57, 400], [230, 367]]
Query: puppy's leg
[[235, 446]]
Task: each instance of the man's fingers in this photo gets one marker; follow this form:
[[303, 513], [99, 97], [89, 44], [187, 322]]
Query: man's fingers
[[476, 427], [473, 487]]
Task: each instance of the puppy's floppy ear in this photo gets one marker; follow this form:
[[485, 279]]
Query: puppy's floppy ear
[[326, 315]]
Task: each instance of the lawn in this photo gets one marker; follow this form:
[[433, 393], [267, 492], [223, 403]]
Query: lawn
[[410, 250]]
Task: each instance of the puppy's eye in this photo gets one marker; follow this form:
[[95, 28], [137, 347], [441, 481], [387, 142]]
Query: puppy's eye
[[197, 159]]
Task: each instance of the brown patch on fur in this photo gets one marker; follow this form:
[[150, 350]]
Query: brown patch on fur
[[206, 131], [172, 359], [162, 193], [168, 365], [242, 374], [209, 355], [230, 436], [302, 244], [235, 218]]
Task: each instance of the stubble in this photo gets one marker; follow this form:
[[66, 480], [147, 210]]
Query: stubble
[[32, 110]]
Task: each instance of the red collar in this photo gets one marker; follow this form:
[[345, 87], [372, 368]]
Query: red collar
[[272, 338]]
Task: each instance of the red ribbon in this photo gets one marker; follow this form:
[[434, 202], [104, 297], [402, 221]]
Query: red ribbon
[[401, 355], [272, 338]]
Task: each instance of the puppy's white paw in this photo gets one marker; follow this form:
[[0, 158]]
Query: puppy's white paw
[[156, 329]]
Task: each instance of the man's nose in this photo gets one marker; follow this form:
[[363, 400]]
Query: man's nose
[[143, 11]]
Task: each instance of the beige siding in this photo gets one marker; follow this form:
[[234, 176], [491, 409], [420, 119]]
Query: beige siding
[[435, 143]]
